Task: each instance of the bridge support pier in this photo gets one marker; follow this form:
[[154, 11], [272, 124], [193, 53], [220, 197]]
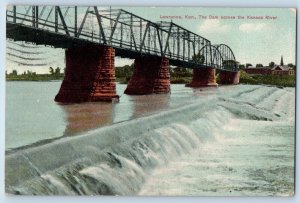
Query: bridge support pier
[[203, 77], [230, 78], [151, 75], [89, 75]]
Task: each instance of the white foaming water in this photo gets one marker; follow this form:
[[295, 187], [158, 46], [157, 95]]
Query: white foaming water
[[229, 145], [247, 157], [238, 162]]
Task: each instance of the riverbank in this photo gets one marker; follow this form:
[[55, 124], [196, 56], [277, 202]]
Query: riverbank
[[34, 77], [173, 80], [48, 78], [275, 80]]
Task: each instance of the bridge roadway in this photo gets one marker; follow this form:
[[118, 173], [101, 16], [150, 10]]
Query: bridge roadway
[[92, 38]]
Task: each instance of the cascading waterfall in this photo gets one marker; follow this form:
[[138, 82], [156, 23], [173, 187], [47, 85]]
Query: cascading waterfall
[[117, 160]]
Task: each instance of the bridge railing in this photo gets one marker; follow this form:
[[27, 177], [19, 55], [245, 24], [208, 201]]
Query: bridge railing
[[123, 30]]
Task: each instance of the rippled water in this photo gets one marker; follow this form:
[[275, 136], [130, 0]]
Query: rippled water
[[231, 140]]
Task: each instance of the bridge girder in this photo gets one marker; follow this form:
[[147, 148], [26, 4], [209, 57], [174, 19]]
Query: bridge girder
[[120, 29]]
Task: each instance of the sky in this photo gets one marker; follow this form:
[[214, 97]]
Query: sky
[[252, 40], [256, 35]]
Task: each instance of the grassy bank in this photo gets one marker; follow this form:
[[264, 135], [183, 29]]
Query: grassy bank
[[181, 80], [36, 77], [276, 80], [178, 75], [122, 80], [176, 78]]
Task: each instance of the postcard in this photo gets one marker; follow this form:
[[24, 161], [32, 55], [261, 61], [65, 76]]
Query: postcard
[[150, 101]]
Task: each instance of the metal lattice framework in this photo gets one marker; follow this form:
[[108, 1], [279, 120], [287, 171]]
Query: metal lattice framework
[[219, 56], [129, 34]]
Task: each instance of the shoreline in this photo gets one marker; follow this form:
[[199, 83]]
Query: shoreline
[[249, 79], [175, 83]]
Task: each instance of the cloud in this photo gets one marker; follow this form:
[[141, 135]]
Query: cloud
[[91, 19], [213, 25], [252, 27], [293, 10]]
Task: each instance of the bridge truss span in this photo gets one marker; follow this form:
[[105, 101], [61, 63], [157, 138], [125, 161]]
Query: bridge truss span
[[130, 35], [219, 56]]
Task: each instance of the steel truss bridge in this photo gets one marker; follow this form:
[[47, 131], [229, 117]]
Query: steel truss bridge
[[130, 35]]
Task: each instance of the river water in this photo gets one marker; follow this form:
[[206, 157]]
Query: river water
[[32, 115], [230, 140]]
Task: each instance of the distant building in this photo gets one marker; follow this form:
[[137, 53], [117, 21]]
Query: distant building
[[281, 61], [259, 70], [276, 70], [283, 70]]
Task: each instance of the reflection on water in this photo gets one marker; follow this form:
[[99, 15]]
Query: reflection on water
[[143, 105], [86, 116], [32, 115]]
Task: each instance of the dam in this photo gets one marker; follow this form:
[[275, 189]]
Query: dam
[[208, 139]]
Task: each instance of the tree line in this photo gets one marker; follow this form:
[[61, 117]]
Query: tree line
[[259, 65], [54, 74], [52, 71]]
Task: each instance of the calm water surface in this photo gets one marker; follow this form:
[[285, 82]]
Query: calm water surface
[[32, 115]]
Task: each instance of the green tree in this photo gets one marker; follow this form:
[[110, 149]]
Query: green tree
[[198, 58], [229, 64], [124, 72], [14, 72], [292, 66], [181, 72], [57, 71], [241, 66], [271, 64], [248, 64], [29, 72], [51, 70], [259, 65]]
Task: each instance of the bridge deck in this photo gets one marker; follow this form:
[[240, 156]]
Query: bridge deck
[[129, 34]]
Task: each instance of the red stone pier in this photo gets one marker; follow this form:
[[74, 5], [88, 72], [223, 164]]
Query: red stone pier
[[230, 78], [89, 75], [203, 77], [151, 75]]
